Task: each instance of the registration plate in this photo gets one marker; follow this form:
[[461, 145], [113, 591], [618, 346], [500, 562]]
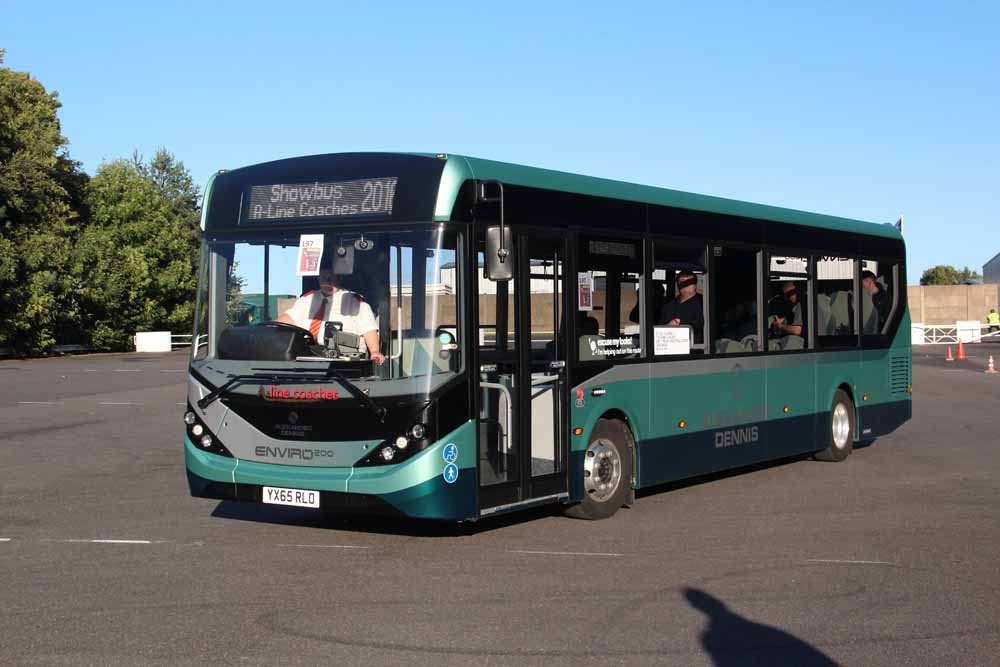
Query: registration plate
[[295, 497]]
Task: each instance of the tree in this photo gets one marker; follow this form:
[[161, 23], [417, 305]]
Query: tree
[[137, 259], [944, 274], [41, 206]]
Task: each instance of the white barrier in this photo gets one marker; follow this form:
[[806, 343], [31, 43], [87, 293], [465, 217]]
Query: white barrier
[[152, 341], [969, 331]]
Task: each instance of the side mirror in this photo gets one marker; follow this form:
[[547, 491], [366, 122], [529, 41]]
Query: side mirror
[[499, 259]]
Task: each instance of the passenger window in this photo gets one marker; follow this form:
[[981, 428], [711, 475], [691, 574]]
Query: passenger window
[[607, 299], [734, 303], [676, 304], [878, 292], [835, 302], [787, 294]]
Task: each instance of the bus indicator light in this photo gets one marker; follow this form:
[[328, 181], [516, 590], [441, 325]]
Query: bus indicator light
[[786, 409], [578, 431], [682, 424]]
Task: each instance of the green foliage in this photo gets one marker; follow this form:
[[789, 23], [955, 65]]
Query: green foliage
[[40, 211], [944, 274], [87, 260], [137, 258]]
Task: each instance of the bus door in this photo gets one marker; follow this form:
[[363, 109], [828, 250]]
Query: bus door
[[522, 391]]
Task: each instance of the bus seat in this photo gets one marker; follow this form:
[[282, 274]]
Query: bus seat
[[869, 318], [729, 346], [823, 315], [750, 343], [793, 342], [840, 311]]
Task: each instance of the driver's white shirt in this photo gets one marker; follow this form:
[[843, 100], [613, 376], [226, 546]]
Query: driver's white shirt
[[337, 304]]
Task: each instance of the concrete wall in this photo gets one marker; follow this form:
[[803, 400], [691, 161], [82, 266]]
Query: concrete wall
[[947, 304]]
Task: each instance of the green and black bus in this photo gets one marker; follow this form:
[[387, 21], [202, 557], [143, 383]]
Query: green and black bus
[[532, 348]]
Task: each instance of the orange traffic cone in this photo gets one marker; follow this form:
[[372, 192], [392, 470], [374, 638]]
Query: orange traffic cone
[[961, 351], [990, 368], [950, 356]]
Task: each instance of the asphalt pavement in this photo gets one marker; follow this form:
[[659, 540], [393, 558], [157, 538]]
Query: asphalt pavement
[[889, 558]]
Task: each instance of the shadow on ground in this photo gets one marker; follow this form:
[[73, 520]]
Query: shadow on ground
[[730, 639]]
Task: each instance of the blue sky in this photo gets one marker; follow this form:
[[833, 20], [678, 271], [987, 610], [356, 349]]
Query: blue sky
[[843, 108]]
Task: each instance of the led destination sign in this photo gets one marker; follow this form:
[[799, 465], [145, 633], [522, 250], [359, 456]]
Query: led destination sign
[[329, 199]]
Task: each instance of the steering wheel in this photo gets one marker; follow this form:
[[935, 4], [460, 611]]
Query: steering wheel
[[311, 340]]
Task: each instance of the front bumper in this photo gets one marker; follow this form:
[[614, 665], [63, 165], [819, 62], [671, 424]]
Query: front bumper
[[414, 488]]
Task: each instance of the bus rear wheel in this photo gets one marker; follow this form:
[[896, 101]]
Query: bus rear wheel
[[842, 429], [607, 472]]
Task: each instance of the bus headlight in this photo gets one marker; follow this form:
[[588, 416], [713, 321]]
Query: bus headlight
[[387, 453], [417, 431], [200, 435], [402, 442]]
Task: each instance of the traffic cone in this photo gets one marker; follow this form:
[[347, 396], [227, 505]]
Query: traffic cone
[[950, 356], [961, 351], [990, 368]]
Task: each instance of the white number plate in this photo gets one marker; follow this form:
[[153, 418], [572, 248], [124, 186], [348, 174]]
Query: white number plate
[[294, 497]]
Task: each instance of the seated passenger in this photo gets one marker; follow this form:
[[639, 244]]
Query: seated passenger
[[314, 309], [789, 315], [880, 299], [686, 308]]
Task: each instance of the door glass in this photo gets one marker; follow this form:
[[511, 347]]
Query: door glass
[[547, 346], [734, 308], [498, 461]]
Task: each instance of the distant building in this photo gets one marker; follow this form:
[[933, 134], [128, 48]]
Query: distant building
[[991, 270]]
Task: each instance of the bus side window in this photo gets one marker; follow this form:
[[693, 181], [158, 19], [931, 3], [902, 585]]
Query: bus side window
[[787, 293], [677, 305], [734, 301], [877, 295], [607, 300], [835, 302]]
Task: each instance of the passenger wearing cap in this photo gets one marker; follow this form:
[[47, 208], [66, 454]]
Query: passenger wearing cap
[[687, 308], [789, 315], [331, 303]]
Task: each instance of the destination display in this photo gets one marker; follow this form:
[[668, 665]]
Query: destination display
[[322, 199]]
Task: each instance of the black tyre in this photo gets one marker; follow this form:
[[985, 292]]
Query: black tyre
[[607, 472], [841, 430]]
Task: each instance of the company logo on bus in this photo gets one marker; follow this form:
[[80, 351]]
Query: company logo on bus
[[736, 436], [285, 395]]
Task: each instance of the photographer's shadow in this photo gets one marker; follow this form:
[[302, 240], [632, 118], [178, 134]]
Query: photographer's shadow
[[731, 639]]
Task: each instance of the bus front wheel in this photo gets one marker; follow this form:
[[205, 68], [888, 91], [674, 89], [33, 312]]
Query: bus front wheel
[[607, 472], [842, 429]]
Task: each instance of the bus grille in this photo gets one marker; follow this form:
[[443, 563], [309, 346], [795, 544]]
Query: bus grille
[[899, 374]]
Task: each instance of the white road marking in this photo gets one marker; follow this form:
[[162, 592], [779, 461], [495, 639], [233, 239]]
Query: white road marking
[[128, 370], [114, 403], [169, 370], [4, 539], [563, 553], [102, 541], [40, 402], [848, 562], [324, 546]]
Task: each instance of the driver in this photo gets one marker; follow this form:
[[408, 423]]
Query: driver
[[334, 304]]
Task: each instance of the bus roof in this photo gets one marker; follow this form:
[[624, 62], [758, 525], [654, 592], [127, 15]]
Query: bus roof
[[548, 179]]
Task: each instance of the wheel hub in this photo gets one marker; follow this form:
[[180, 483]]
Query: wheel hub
[[602, 470], [841, 425]]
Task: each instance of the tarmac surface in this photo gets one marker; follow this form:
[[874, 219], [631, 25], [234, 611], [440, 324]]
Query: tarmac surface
[[889, 558]]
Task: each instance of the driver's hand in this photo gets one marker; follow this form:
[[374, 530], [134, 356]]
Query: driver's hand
[[378, 358]]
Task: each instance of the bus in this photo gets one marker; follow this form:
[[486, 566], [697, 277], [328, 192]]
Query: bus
[[542, 337]]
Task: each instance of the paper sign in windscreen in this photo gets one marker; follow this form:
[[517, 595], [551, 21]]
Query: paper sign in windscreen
[[310, 254]]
